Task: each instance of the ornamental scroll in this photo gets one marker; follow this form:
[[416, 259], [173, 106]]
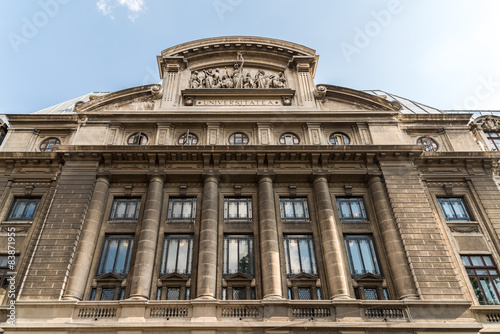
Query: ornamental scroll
[[238, 78]]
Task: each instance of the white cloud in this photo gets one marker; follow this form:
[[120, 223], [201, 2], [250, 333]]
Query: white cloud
[[107, 7]]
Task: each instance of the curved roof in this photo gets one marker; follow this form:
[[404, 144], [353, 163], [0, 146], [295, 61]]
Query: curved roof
[[68, 107]]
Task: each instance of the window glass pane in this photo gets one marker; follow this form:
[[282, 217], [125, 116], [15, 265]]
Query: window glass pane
[[187, 209], [488, 261], [233, 209], [305, 256], [177, 212], [294, 256], [367, 256], [243, 209], [489, 291], [371, 294], [476, 261], [304, 293], [356, 209], [110, 255], [289, 210], [172, 255], [30, 209], [466, 261], [345, 210], [183, 256], [232, 256], [477, 290], [299, 210], [120, 210], [355, 257], [386, 294], [92, 294], [18, 209], [107, 294], [188, 293], [459, 209], [121, 256], [173, 293]]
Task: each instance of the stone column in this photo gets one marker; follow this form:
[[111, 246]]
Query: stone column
[[207, 261], [396, 256], [146, 247], [338, 283], [88, 239], [269, 248]]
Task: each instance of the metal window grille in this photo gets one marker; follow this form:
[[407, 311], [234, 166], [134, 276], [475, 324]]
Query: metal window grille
[[48, 144], [125, 209], [289, 139], [173, 293], [137, 138], [107, 294], [454, 209], [494, 138], [294, 209], [181, 209], [304, 293], [177, 255], [239, 294], [116, 255], [351, 209], [188, 139], [361, 255], [23, 209], [430, 144], [299, 255], [237, 209], [238, 255], [339, 138]]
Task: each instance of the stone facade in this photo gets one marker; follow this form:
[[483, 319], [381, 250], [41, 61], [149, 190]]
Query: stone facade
[[239, 197]]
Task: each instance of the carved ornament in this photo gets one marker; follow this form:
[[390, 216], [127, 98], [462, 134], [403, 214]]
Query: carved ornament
[[464, 229], [488, 123]]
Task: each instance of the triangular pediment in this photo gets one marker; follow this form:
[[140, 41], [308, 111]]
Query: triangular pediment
[[174, 277], [303, 277], [369, 277], [109, 277], [239, 277]]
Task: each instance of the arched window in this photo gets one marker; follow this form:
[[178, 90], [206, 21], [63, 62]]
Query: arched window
[[188, 139], [137, 138], [289, 139], [48, 144], [429, 143], [338, 138], [238, 139]]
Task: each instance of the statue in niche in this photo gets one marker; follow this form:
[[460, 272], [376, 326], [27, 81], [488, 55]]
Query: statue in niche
[[218, 79]]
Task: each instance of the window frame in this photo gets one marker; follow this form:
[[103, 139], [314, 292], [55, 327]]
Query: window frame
[[105, 253], [345, 138], [305, 207], [192, 139], [6, 270], [493, 137], [165, 254], [479, 292], [432, 146], [463, 203], [360, 201], [46, 146], [312, 254], [244, 139], [295, 139], [133, 139], [249, 209], [373, 255], [225, 254], [170, 209], [127, 201], [14, 204]]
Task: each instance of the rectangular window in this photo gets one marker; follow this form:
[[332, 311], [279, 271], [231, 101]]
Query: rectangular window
[[238, 255], [23, 209], [7, 265], [494, 138], [299, 255], [237, 209], [294, 209], [483, 275], [361, 255], [125, 209], [177, 255], [116, 255], [351, 209], [181, 209], [454, 209]]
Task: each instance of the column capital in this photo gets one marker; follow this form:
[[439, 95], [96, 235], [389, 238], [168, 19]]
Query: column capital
[[320, 177], [211, 177], [374, 178], [265, 177], [156, 177]]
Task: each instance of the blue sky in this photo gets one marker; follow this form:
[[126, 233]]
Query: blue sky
[[444, 53]]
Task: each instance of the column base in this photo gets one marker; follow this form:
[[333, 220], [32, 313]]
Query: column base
[[205, 297], [341, 297], [72, 298], [273, 297], [137, 297], [409, 297]]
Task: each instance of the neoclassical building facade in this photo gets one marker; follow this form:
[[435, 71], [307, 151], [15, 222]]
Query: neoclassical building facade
[[236, 196]]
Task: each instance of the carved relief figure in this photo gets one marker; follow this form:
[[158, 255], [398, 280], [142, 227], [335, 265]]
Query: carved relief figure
[[208, 78]]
